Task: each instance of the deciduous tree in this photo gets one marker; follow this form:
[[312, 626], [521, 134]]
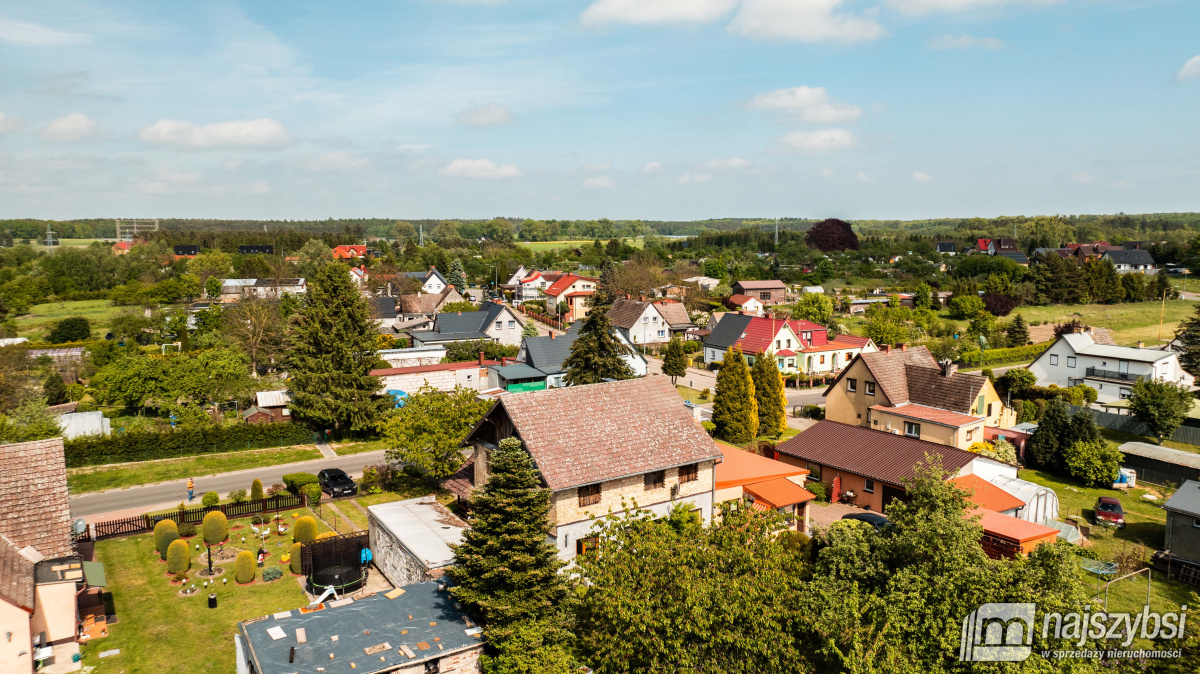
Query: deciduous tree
[[427, 433], [1161, 405], [815, 307]]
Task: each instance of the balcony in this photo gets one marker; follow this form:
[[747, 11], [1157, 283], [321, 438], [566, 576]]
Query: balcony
[[1110, 375]]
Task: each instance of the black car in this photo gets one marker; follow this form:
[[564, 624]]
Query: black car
[[336, 482], [874, 519]]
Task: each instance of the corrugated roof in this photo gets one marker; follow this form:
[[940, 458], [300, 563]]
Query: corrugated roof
[[779, 492], [583, 435], [740, 468], [930, 414], [1011, 528], [875, 454], [987, 495], [1186, 499], [423, 526], [1164, 454], [279, 398]]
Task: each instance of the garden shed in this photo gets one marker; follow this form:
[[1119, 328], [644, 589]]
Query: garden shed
[[1041, 503], [410, 540]]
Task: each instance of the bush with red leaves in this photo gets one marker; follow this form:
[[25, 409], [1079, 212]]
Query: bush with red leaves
[[998, 305], [831, 234]]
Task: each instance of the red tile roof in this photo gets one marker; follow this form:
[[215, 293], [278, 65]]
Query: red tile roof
[[779, 492], [33, 497], [740, 468], [930, 414], [740, 300], [564, 282], [987, 495], [785, 352], [347, 252], [852, 340], [875, 454], [16, 576], [1011, 528], [761, 285]]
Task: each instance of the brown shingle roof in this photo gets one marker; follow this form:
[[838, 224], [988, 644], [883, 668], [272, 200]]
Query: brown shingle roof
[[33, 497], [16, 576], [626, 312], [582, 435], [424, 303], [673, 313], [888, 369], [928, 386], [875, 454], [761, 285], [462, 482]]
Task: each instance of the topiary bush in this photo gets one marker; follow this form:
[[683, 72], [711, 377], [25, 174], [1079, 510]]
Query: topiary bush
[[216, 527], [187, 530], [179, 557], [168, 537], [271, 574], [312, 493], [256, 490], [294, 563], [243, 567], [327, 534], [210, 499], [160, 528], [305, 530], [295, 481]]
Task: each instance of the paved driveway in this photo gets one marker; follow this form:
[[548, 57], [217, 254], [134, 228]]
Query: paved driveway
[[824, 514]]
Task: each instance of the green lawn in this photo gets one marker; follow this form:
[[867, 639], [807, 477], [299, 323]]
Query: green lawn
[[160, 631], [42, 317], [692, 395], [360, 447], [98, 478], [1129, 323], [541, 246]]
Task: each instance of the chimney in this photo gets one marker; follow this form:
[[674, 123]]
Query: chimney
[[1141, 345], [642, 298], [903, 347], [480, 359], [949, 368], [887, 348], [1078, 330], [460, 313], [551, 334]]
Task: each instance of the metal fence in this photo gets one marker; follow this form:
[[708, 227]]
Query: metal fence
[[1128, 424]]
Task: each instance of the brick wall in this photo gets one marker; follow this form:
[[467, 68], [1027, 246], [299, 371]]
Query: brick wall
[[564, 507], [392, 558], [462, 662]]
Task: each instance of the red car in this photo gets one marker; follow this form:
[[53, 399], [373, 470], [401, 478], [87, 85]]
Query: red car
[[1109, 511]]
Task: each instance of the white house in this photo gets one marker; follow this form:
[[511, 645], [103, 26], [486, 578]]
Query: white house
[[494, 322], [1130, 261], [432, 281], [1077, 358], [519, 274], [640, 321], [745, 304], [534, 286], [705, 282]]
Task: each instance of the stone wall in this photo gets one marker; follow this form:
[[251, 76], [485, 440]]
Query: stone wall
[[392, 558], [565, 509]]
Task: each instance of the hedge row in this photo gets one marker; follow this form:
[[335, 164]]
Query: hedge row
[[92, 450], [1017, 354]]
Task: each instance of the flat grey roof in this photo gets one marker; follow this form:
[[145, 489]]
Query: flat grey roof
[[435, 615], [1164, 454], [423, 526], [1186, 500], [518, 371]]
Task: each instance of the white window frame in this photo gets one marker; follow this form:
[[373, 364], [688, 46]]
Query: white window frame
[[851, 385], [1054, 359], [870, 389], [869, 486], [909, 427]]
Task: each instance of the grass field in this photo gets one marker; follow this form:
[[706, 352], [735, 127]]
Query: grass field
[[42, 317], [97, 478], [541, 246], [1129, 323], [353, 448]]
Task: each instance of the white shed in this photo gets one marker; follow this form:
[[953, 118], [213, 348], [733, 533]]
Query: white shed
[[1041, 503], [410, 540]]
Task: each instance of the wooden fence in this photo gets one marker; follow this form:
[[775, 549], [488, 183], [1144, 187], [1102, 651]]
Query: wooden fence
[[329, 550], [1187, 433], [142, 524], [543, 318]]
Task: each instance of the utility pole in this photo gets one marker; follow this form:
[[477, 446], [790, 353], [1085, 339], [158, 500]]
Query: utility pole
[[777, 232], [49, 236]]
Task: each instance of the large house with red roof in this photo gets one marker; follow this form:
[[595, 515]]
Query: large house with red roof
[[573, 291], [797, 345], [349, 252]]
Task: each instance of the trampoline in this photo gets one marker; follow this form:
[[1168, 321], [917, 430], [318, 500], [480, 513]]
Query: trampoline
[[337, 563]]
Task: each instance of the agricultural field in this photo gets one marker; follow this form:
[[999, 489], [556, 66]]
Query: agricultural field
[[42, 317], [541, 246], [1129, 323]]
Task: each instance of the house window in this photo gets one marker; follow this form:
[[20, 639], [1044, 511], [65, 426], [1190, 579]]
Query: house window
[[814, 471], [970, 434], [989, 410], [589, 495], [849, 356], [512, 324], [689, 473], [1124, 394], [662, 333], [584, 544], [645, 319], [654, 319], [1054, 359], [1196, 522], [499, 325], [870, 388], [789, 343], [778, 343], [822, 360], [764, 296], [1070, 361], [912, 430], [869, 486], [655, 480]]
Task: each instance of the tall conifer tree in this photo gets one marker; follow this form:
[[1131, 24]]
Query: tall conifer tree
[[597, 353], [458, 277], [735, 410], [769, 396], [674, 362], [1017, 332], [332, 354]]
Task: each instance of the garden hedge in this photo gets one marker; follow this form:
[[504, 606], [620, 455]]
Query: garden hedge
[[305, 530], [160, 528], [327, 534], [295, 481], [294, 562], [243, 567], [216, 527], [1016, 354], [256, 490], [92, 450], [312, 494], [179, 557], [169, 536]]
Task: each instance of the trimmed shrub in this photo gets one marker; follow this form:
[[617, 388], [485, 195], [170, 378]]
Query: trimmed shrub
[[179, 557], [210, 499], [294, 564], [295, 481], [324, 535], [305, 530], [238, 495], [187, 530], [243, 567], [92, 450], [313, 493], [216, 527], [271, 574], [160, 528], [1016, 354], [709, 427], [168, 537], [817, 489], [256, 490], [705, 394]]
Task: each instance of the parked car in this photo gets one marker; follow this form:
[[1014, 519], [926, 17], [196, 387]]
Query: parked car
[[336, 482], [874, 519], [1109, 511]]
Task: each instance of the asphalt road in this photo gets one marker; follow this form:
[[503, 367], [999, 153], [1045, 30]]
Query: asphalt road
[[119, 500]]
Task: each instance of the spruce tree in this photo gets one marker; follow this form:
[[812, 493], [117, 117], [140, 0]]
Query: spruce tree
[[674, 362], [1017, 332], [597, 354], [332, 354], [458, 277], [505, 572], [1045, 446], [735, 410], [1188, 339], [53, 388], [769, 396], [531, 329]]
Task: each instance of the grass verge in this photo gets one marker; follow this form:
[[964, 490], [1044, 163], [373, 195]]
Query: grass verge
[[97, 478], [360, 447]]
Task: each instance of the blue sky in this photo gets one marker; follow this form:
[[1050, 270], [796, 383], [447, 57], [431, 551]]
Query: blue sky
[[656, 109]]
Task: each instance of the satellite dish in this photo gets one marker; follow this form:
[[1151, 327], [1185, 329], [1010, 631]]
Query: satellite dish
[[79, 526]]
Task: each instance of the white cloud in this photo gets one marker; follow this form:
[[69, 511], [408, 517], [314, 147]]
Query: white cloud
[[690, 178], [1083, 178], [965, 42], [479, 168], [152, 187], [74, 127], [929, 6], [921, 177], [733, 163], [1190, 70], [599, 183], [263, 133], [236, 164], [341, 161], [803, 20], [10, 123], [598, 168], [491, 114], [652, 167], [809, 104], [21, 32], [604, 12], [825, 140], [863, 177]]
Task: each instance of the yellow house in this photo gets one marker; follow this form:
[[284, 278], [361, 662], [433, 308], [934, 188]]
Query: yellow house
[[904, 391]]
